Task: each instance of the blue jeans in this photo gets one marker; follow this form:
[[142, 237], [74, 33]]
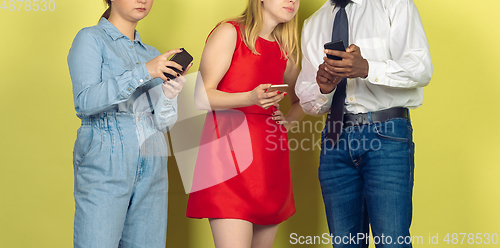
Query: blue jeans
[[121, 184], [368, 173]]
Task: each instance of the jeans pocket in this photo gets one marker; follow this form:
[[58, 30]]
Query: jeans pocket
[[397, 129], [83, 143]]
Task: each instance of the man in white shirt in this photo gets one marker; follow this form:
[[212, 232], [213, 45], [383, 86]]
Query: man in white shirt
[[366, 166]]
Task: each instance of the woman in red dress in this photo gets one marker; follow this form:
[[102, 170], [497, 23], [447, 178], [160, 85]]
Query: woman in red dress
[[242, 182]]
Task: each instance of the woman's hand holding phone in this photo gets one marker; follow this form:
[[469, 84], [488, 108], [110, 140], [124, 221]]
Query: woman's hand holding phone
[[171, 88], [260, 97], [159, 65]]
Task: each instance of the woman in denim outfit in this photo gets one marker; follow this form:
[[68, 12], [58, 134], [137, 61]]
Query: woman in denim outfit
[[125, 103]]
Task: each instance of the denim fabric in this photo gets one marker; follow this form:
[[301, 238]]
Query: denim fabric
[[369, 172], [109, 74], [120, 154]]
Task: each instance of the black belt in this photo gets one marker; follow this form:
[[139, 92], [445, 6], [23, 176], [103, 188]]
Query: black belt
[[377, 117]]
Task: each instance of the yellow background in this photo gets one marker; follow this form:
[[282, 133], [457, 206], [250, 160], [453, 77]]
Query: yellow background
[[457, 165]]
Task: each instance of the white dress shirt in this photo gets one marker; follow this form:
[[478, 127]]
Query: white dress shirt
[[391, 38]]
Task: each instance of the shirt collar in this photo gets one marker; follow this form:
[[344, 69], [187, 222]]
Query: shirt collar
[[115, 34], [355, 1]]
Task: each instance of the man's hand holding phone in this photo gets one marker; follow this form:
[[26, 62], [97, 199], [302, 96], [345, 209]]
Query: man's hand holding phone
[[326, 81], [340, 64], [352, 65]]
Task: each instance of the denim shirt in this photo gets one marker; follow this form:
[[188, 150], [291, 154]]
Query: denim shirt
[[109, 74]]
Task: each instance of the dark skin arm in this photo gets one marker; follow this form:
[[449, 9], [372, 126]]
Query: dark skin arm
[[352, 65]]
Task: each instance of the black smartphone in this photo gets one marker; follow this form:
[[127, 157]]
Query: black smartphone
[[183, 59], [335, 45]]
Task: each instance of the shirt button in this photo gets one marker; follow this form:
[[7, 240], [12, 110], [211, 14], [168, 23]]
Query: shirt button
[[141, 80], [131, 47], [323, 100], [166, 104], [147, 78], [129, 89], [376, 80], [163, 113], [352, 99], [138, 63]]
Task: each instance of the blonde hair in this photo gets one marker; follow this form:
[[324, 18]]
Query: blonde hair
[[285, 33]]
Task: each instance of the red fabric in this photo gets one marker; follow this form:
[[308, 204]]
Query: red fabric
[[260, 191]]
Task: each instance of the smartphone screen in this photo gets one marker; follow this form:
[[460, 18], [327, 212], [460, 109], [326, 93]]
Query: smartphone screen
[[335, 45]]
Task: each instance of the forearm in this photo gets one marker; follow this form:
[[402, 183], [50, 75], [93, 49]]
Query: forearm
[[93, 98], [295, 114], [220, 100], [312, 101], [410, 72]]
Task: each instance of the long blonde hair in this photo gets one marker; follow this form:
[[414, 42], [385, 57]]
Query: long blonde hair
[[285, 33]]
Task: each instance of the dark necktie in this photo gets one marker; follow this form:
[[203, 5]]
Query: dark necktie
[[336, 115]]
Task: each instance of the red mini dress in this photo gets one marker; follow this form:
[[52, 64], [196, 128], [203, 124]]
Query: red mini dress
[[243, 169]]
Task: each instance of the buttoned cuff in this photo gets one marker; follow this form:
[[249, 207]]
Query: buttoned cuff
[[139, 77], [323, 101], [166, 113], [166, 101], [376, 71], [167, 105]]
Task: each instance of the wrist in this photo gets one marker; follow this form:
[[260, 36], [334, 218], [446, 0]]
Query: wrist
[[326, 92], [247, 96], [367, 68]]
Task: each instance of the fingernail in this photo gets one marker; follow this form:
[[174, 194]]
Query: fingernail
[[183, 68], [168, 79], [178, 74], [285, 94], [182, 49], [279, 92], [277, 122]]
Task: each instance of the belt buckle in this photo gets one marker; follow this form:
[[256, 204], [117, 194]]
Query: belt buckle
[[361, 119]]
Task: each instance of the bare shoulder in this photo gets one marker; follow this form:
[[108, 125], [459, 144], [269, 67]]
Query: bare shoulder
[[223, 34]]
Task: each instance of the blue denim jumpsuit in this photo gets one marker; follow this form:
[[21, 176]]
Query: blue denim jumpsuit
[[120, 153]]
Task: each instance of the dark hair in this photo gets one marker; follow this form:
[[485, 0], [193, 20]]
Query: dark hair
[[108, 11]]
